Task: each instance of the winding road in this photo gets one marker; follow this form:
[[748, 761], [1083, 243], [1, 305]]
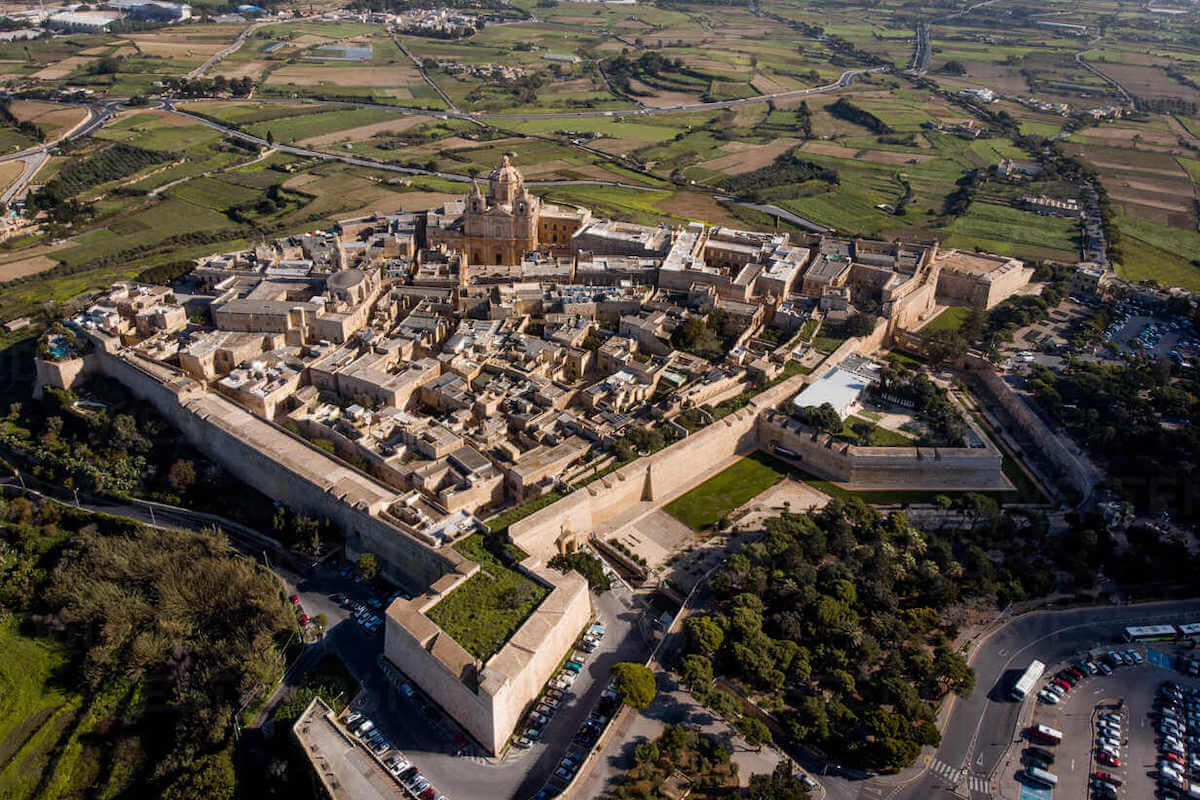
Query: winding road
[[36, 157], [981, 727]]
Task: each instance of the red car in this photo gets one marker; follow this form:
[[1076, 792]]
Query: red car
[[1178, 759], [295, 599], [1108, 776], [304, 619], [1060, 683], [1105, 758], [1074, 671]]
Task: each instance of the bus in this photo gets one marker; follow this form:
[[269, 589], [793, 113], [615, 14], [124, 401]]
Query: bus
[[1028, 679], [1045, 734], [1041, 777], [1190, 630], [1152, 633]]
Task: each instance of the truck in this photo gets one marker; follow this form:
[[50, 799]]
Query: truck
[[1045, 734], [1028, 679], [1041, 777]]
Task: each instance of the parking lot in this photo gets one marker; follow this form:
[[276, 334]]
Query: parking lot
[[415, 727], [1111, 727]]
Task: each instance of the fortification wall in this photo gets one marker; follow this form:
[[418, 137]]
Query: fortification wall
[[64, 374], [531, 657], [951, 468], [489, 705], [223, 432], [656, 477], [468, 708], [968, 289], [1075, 469]]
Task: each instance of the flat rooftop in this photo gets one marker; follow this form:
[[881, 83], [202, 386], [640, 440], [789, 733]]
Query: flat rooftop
[[976, 263], [344, 768], [838, 387]]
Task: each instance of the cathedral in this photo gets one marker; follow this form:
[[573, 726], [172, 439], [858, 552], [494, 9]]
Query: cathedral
[[506, 224]]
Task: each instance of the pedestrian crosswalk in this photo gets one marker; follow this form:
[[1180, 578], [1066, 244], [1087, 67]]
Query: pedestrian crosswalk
[[945, 771], [960, 779]]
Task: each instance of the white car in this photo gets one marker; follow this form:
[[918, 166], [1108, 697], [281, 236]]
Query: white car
[[1048, 697]]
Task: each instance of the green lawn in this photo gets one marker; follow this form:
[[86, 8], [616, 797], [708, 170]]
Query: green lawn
[[1013, 232], [950, 319], [499, 523], [485, 610], [880, 437], [704, 505]]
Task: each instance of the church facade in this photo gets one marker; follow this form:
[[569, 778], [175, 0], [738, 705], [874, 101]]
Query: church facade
[[506, 224]]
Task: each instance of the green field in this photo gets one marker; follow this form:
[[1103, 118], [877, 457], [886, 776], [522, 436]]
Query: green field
[[41, 754], [709, 502], [485, 610], [1160, 253], [1012, 232], [951, 319]]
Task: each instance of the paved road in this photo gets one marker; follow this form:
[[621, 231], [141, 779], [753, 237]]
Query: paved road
[[427, 738], [373, 164], [36, 157], [233, 48], [847, 78], [981, 727], [1129, 101]]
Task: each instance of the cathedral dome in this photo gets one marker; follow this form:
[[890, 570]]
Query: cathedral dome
[[506, 182]]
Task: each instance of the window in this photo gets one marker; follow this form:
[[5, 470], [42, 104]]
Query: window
[[499, 258]]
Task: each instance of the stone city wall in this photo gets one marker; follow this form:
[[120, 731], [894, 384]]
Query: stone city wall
[[1076, 470], [206, 421], [654, 478], [491, 703], [950, 468]]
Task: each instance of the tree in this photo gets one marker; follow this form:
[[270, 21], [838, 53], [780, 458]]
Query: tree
[[704, 634], [586, 565], [182, 475], [368, 566], [823, 417], [635, 683], [754, 731], [860, 325], [212, 778], [270, 139], [945, 345], [646, 753], [696, 671], [781, 784]]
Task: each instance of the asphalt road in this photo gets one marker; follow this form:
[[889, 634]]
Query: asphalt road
[[427, 738], [981, 728]]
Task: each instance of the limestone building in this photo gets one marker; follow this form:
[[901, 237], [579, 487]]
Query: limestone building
[[501, 227]]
